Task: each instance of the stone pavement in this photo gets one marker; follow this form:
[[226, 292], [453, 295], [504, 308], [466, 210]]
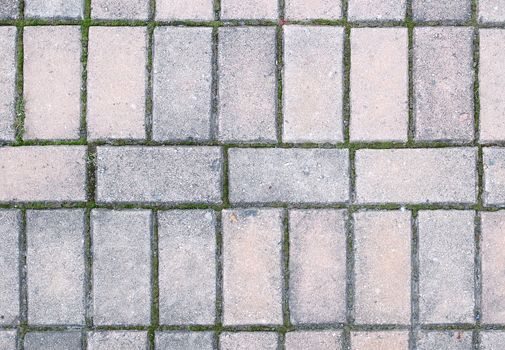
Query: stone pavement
[[252, 174]]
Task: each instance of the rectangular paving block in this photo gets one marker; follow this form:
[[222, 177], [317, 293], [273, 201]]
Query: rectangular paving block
[[252, 270], [429, 175], [493, 263], [492, 340], [446, 266], [9, 262], [379, 84], [315, 9], [288, 175], [492, 11], [182, 83], [447, 340], [9, 9], [187, 266], [321, 340], [441, 10], [317, 266], [72, 9], [249, 9], [69, 340], [52, 82], [312, 84], [492, 84], [494, 176], [377, 10], [184, 340], [55, 266], [117, 59], [8, 339], [167, 10], [159, 174], [117, 340], [385, 340], [382, 267], [43, 173], [443, 84], [248, 340], [247, 84], [120, 9], [7, 82], [121, 266]]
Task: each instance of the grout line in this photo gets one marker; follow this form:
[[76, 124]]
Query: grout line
[[477, 281], [218, 323], [23, 287], [279, 60], [225, 179], [19, 119], [214, 112], [88, 269], [414, 283], [286, 313], [411, 102], [149, 72], [155, 287]]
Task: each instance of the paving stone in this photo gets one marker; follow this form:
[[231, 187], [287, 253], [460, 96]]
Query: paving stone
[[373, 10], [54, 8], [184, 340], [52, 82], [7, 340], [121, 266], [494, 176], [249, 341], [247, 84], [117, 340], [491, 84], [386, 340], [249, 9], [446, 255], [382, 267], [55, 266], [493, 263], [492, 340], [312, 84], [120, 9], [159, 174], [9, 274], [317, 263], [379, 105], [7, 82], [442, 175], [43, 173], [314, 340], [252, 279], [117, 61], [9, 9], [182, 83], [315, 9], [187, 266], [492, 11], [288, 175], [441, 10], [443, 83], [449, 340], [53, 340], [190, 10]]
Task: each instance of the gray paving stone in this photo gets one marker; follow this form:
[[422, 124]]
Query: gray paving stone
[[159, 174], [373, 10], [492, 340], [491, 84], [247, 84], [43, 173], [492, 11], [442, 175], [312, 84], [7, 82], [288, 175], [120, 9], [187, 266], [494, 176], [189, 10], [450, 340], [70, 340], [315, 9], [315, 340], [382, 267], [121, 266], [52, 82], [249, 341], [54, 8], [117, 61], [441, 10], [443, 83], [118, 340], [252, 278], [248, 9], [386, 340], [317, 264], [55, 266], [182, 83], [9, 9], [9, 274], [7, 340], [446, 276], [379, 84], [184, 340]]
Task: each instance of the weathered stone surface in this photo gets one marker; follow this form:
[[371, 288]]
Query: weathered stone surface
[[184, 340], [118, 340], [7, 81], [373, 10], [9, 273], [249, 341]]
